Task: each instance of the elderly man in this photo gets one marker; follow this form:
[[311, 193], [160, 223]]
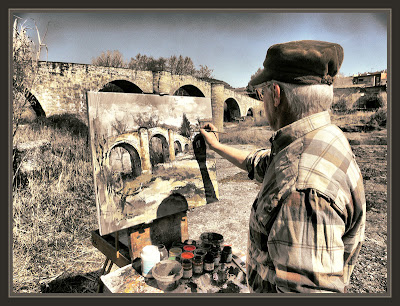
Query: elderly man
[[307, 222]]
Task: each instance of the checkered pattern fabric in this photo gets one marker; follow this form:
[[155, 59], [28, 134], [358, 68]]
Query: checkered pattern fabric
[[308, 220]]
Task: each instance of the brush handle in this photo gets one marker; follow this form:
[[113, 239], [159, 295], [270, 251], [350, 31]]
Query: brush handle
[[216, 132]]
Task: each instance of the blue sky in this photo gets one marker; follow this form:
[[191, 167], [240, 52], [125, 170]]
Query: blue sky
[[233, 43]]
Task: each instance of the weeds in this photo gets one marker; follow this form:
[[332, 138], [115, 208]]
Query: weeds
[[55, 208]]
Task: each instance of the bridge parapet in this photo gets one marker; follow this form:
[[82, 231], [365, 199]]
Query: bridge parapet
[[62, 87]]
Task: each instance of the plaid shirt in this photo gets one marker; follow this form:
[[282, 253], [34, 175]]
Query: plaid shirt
[[307, 223]]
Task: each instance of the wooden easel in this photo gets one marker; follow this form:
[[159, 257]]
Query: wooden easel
[[165, 230]]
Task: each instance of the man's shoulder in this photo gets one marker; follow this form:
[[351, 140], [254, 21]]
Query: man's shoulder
[[329, 135], [324, 162]]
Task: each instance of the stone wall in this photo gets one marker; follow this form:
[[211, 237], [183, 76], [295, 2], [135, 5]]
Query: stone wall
[[61, 87]]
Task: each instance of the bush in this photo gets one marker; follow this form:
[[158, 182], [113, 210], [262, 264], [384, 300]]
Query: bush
[[378, 119], [370, 101], [340, 105]]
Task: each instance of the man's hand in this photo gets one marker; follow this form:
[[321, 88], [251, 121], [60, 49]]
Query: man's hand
[[211, 138], [235, 156]]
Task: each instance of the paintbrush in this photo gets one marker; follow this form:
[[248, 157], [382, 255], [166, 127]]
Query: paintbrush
[[208, 130]]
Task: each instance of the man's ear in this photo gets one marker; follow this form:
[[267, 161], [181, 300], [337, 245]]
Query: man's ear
[[276, 94]]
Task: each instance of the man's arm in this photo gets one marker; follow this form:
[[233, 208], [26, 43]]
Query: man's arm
[[235, 156]]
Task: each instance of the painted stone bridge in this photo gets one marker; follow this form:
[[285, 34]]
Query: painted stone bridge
[[137, 144], [61, 88]]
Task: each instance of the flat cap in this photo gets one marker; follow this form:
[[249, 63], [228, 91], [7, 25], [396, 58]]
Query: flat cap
[[301, 62]]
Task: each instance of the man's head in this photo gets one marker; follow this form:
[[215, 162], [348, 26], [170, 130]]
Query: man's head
[[297, 79]]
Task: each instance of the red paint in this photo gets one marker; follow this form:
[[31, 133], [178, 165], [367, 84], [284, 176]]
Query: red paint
[[189, 248], [187, 255]]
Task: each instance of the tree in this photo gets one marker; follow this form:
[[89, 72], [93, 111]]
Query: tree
[[25, 67], [109, 59], [185, 126], [172, 62], [204, 72]]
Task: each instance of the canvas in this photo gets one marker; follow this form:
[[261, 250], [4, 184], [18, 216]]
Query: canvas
[[149, 159]]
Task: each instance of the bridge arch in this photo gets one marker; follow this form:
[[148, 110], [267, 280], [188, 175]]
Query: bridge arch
[[231, 110], [158, 149], [124, 158], [250, 112], [121, 86], [189, 90], [177, 147], [35, 105]]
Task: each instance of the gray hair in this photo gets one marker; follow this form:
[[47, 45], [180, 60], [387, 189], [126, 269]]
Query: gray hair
[[304, 100]]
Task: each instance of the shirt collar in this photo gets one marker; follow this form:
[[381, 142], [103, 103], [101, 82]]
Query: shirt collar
[[289, 133]]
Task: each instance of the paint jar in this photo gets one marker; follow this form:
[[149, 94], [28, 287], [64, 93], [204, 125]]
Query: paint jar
[[187, 255], [226, 254], [163, 251], [187, 268], [189, 248], [173, 252], [150, 256], [190, 242], [200, 252], [216, 253], [177, 244], [208, 263], [214, 239], [206, 246], [197, 264]]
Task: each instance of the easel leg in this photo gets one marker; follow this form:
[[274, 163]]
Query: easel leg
[[103, 272]]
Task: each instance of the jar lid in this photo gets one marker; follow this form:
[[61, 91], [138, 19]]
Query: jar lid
[[227, 248], [148, 249], [198, 258]]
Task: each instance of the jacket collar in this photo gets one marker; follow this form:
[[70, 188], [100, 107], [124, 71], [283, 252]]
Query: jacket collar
[[289, 133]]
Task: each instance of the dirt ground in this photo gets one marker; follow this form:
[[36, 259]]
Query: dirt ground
[[230, 215]]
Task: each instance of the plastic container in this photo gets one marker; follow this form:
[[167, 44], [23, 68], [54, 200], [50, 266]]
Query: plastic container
[[150, 256], [167, 273]]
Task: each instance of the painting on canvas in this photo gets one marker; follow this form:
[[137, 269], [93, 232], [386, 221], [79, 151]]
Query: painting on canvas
[[149, 160]]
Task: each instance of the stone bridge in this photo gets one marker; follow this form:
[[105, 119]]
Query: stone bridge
[[61, 88], [137, 144]]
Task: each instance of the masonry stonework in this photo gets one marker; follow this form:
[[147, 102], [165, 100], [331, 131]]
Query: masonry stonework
[[61, 87]]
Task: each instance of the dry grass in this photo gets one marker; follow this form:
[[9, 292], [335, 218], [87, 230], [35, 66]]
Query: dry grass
[[53, 209], [247, 132]]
